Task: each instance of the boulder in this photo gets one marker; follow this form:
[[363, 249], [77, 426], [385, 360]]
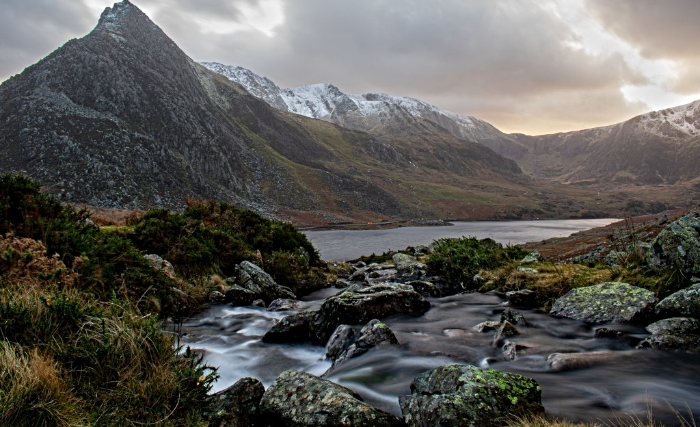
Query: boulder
[[342, 338], [293, 328], [678, 246], [256, 280], [238, 296], [676, 333], [425, 288], [373, 334], [605, 302], [359, 304], [408, 268], [161, 264], [298, 399], [462, 395], [524, 298], [238, 405], [684, 303]]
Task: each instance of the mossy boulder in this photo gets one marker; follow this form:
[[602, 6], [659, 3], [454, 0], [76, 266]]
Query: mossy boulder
[[605, 302], [300, 399], [359, 304], [685, 303], [678, 246], [463, 395]]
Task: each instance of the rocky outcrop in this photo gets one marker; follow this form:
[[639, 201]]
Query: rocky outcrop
[[238, 405], [298, 399], [678, 246], [461, 395], [261, 284], [605, 302]]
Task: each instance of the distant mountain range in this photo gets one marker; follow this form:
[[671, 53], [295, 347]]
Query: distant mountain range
[[123, 118]]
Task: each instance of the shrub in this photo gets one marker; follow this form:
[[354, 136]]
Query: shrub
[[458, 260]]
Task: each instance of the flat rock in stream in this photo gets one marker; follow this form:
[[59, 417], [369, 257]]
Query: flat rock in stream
[[467, 396], [605, 302], [299, 399]]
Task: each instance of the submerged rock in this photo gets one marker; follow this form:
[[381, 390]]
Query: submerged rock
[[606, 302], [299, 399], [462, 395]]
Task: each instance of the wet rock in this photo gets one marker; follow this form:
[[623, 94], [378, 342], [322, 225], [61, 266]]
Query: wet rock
[[342, 338], [293, 328], [676, 333], [408, 268], [358, 276], [511, 350], [282, 304], [675, 325], [342, 283], [568, 361], [608, 333], [678, 246], [506, 329], [514, 317], [360, 304], [238, 405], [373, 334], [256, 280], [487, 326], [605, 302], [161, 264], [238, 296], [684, 303], [462, 395], [258, 303], [299, 399], [524, 298]]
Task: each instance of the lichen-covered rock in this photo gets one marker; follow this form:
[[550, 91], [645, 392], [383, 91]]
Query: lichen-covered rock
[[684, 303], [373, 334], [293, 328], [238, 405], [408, 268], [161, 264], [426, 288], [462, 395], [678, 246], [676, 333], [256, 280], [605, 302], [360, 304], [298, 399]]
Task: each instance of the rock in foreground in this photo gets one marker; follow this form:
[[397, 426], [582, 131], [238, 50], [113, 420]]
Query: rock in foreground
[[462, 395], [298, 399], [605, 302]]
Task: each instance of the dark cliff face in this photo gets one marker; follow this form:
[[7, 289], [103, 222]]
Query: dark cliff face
[[123, 118]]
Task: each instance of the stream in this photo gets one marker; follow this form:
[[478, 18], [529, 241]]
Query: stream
[[615, 384]]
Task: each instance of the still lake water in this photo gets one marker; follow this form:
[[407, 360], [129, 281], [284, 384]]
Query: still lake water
[[342, 245]]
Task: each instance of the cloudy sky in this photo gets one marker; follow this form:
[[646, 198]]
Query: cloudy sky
[[530, 66]]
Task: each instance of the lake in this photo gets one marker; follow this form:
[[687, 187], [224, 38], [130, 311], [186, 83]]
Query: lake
[[342, 245]]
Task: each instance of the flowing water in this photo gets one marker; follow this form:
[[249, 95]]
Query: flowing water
[[612, 381]]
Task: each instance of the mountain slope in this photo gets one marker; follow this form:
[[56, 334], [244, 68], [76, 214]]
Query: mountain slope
[[123, 118]]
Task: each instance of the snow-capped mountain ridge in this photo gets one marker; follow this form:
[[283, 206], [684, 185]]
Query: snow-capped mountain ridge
[[326, 102]]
